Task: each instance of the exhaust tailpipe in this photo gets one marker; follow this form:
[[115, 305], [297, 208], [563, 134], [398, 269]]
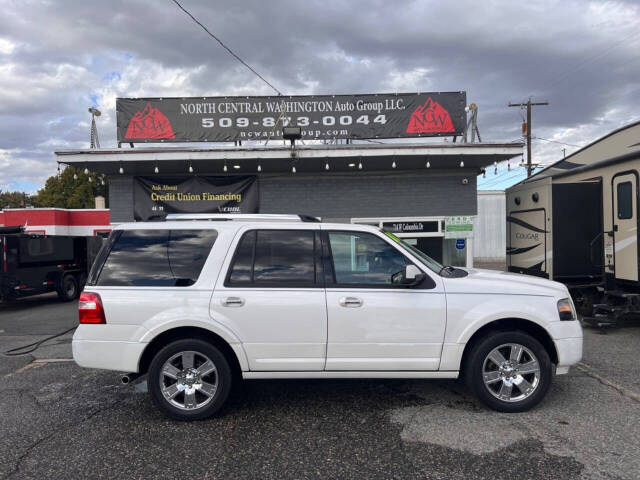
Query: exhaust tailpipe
[[129, 378]]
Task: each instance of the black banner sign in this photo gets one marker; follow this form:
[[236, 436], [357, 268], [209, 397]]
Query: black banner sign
[[410, 227], [154, 196], [325, 117]]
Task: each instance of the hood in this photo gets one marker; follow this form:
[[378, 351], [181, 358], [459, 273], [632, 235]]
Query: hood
[[495, 281]]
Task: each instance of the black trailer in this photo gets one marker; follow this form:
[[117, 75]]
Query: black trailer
[[35, 264]]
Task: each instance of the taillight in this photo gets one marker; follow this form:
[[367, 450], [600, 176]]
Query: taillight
[[90, 308]]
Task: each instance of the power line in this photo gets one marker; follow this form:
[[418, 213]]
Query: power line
[[504, 174], [500, 177], [490, 186], [494, 183], [226, 48], [580, 65], [555, 141]]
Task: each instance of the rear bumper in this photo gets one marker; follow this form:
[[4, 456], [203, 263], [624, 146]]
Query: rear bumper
[[108, 355]]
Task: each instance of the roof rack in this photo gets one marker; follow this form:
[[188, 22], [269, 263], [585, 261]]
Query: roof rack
[[242, 217]]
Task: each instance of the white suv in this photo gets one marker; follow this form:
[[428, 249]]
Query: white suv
[[198, 304]]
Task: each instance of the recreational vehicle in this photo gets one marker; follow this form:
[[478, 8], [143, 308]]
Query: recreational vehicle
[[577, 223]]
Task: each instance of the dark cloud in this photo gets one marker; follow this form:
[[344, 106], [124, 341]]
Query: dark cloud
[[57, 57]]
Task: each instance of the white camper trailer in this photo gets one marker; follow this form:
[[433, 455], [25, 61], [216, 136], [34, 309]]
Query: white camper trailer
[[577, 223]]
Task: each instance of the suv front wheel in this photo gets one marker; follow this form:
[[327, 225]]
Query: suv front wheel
[[509, 371], [189, 380]]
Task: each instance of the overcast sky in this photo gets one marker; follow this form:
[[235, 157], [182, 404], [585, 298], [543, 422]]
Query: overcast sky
[[59, 57]]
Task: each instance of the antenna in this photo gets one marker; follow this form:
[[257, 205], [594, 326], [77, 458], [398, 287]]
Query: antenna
[[95, 141]]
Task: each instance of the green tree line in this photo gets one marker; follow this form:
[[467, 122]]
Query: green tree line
[[71, 188]]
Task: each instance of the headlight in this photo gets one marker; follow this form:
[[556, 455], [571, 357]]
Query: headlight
[[565, 310]]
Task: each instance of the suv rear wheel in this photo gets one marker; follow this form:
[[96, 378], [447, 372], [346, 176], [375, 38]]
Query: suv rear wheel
[[189, 380], [509, 371]]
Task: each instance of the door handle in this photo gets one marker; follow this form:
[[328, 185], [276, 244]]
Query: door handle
[[350, 302], [232, 302]]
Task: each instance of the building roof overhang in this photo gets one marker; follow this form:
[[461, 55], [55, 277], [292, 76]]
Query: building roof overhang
[[277, 159]]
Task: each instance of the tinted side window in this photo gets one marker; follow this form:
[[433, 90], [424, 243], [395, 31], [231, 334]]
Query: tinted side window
[[138, 258], [242, 268], [99, 261], [188, 250], [364, 259], [279, 257], [156, 258], [625, 201], [284, 256]]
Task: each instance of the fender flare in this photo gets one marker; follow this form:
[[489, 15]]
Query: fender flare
[[472, 328], [221, 331]]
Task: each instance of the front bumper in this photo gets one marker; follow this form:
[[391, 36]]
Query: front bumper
[[569, 352], [567, 337]]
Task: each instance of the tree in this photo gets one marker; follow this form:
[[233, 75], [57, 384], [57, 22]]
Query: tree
[[65, 191], [14, 199]]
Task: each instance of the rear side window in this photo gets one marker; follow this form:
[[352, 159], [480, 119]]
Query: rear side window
[[275, 258], [242, 269], [625, 201], [188, 250], [157, 258]]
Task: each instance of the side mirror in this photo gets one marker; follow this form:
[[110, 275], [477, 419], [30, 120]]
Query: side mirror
[[412, 275]]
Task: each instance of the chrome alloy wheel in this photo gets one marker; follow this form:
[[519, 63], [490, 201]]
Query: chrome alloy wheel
[[189, 380], [511, 372]]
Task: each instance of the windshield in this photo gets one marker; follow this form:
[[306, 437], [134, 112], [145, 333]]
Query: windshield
[[424, 258]]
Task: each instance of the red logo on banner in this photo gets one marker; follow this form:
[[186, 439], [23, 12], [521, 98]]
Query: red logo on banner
[[430, 118], [149, 123]]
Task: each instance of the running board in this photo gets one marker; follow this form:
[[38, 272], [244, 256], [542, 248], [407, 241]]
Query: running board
[[349, 374]]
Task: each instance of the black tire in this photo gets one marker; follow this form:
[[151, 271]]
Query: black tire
[[476, 361], [68, 289], [203, 350]]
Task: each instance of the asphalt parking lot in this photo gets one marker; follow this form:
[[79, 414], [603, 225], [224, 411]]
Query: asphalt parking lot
[[60, 421]]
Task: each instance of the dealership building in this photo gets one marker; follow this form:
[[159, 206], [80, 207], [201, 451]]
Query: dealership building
[[423, 191]]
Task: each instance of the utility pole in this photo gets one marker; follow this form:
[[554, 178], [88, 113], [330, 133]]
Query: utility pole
[[529, 104]]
